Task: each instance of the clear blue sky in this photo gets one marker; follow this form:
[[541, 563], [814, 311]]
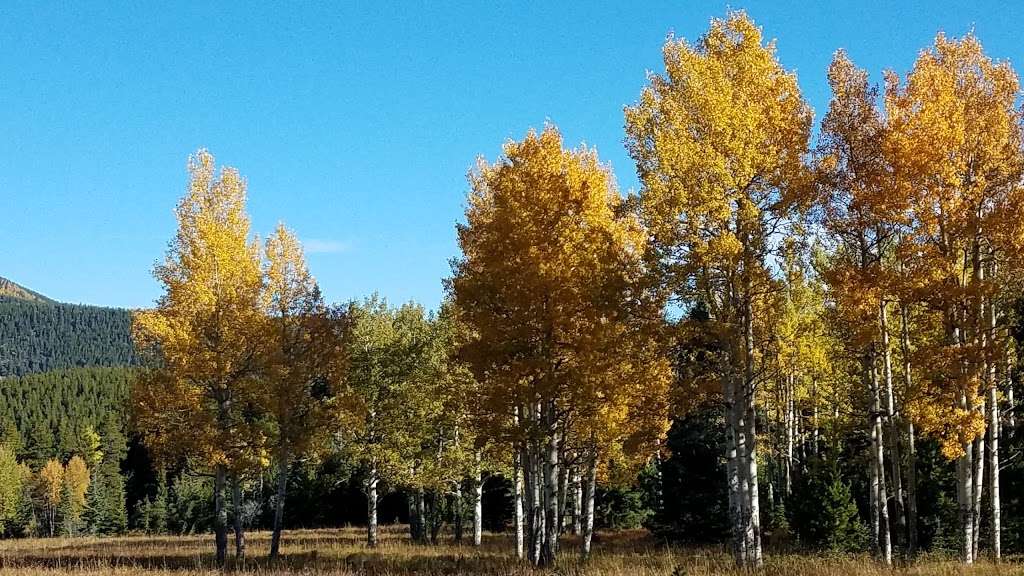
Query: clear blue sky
[[355, 125]]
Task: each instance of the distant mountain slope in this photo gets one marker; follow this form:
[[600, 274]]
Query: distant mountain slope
[[38, 335], [13, 290]]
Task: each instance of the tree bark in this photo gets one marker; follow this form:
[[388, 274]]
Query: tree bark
[[911, 441], [589, 493], [880, 515], [993, 466], [549, 548], [478, 503], [457, 512], [236, 501], [577, 501], [220, 514], [891, 419], [753, 513], [282, 487], [979, 483], [517, 500], [372, 481], [732, 466]]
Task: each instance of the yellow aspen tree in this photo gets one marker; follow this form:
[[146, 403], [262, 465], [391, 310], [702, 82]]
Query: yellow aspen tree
[[720, 141], [206, 333], [550, 258], [303, 364], [862, 213], [955, 144], [50, 488]]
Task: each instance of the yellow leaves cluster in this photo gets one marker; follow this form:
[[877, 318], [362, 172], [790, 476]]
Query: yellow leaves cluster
[[226, 332], [549, 285], [719, 142]]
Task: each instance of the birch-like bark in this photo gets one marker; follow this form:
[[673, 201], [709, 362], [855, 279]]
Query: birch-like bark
[[881, 515], [732, 466], [478, 502], [993, 465], [372, 480], [517, 501], [549, 548], [911, 441], [752, 515], [979, 483], [563, 489], [577, 501], [589, 492], [891, 420]]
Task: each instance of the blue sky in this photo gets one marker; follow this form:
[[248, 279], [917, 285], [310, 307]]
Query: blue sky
[[355, 123]]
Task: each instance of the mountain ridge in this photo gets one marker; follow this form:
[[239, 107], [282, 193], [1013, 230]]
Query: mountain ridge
[[12, 289]]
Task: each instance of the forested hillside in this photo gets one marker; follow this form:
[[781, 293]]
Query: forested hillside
[[40, 335]]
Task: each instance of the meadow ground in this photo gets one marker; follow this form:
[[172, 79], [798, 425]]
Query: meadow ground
[[342, 552]]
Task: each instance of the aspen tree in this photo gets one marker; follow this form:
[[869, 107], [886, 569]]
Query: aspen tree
[[719, 142], [550, 263], [956, 145], [206, 333]]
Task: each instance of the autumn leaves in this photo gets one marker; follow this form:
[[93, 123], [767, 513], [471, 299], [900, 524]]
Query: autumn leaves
[[880, 263]]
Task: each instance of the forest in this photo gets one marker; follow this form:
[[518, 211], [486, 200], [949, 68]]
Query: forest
[[794, 339]]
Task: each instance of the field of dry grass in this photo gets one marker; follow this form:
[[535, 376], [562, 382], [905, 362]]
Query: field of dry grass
[[342, 552]]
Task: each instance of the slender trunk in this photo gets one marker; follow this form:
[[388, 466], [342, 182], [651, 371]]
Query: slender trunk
[[236, 501], [421, 515], [282, 487], [220, 514], [517, 501], [891, 419], [881, 515], [753, 512], [551, 474], [478, 503], [814, 417], [965, 486], [979, 483], [372, 480], [911, 441], [577, 502], [790, 433], [457, 512], [993, 467], [563, 489], [589, 491], [732, 466]]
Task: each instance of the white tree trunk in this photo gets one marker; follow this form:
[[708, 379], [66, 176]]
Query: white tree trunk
[[994, 426], [589, 492], [549, 548], [892, 439], [517, 500], [371, 505], [478, 503]]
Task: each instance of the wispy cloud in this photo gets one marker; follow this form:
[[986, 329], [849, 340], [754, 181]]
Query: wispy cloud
[[319, 246]]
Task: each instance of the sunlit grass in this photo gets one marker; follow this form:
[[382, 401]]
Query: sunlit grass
[[342, 552]]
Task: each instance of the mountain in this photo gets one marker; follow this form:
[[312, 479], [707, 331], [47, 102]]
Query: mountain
[[38, 334], [11, 290]]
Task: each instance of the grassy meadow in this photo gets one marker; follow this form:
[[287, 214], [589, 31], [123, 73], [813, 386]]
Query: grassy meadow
[[342, 552]]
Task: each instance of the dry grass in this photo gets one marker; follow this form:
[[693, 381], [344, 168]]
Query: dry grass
[[342, 552]]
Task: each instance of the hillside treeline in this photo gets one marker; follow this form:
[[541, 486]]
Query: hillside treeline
[[37, 336]]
